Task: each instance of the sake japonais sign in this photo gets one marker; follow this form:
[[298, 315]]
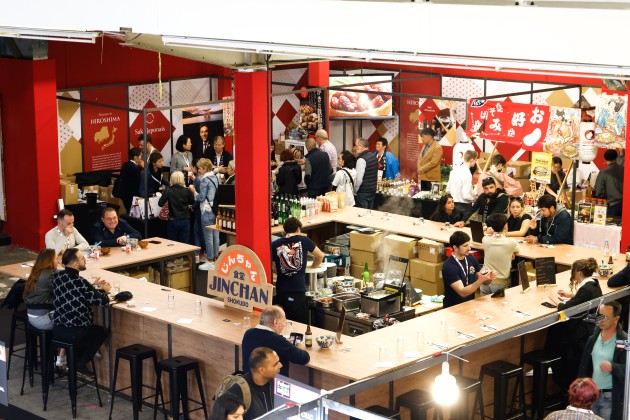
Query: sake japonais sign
[[239, 278]]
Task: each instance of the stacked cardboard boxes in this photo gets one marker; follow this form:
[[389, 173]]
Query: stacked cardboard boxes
[[426, 270], [400, 246], [365, 248]]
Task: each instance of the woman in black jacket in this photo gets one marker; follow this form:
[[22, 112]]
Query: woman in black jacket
[[289, 174], [567, 339], [446, 212], [155, 181], [179, 199]]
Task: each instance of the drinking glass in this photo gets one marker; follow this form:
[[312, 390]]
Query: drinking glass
[[116, 287], [420, 340], [246, 322], [171, 301], [400, 346], [197, 307]]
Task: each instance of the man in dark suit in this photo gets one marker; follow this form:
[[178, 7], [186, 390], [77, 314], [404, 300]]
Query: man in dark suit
[[218, 156], [130, 176], [201, 148]]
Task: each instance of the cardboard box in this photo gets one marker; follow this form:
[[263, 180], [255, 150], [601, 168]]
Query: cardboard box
[[370, 242], [68, 177], [400, 246], [105, 193], [90, 188], [427, 271], [69, 192], [524, 183], [373, 260], [356, 271], [428, 288], [431, 251], [521, 169]]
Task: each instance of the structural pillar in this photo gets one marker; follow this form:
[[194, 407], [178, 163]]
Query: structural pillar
[[28, 110], [253, 195]]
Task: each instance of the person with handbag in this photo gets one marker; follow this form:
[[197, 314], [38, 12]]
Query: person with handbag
[[345, 176], [208, 186], [177, 201]]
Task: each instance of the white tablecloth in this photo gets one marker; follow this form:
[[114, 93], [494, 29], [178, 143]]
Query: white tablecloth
[[594, 236]]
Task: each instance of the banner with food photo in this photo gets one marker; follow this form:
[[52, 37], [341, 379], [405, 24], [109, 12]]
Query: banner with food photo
[[524, 125], [541, 167], [610, 122], [439, 115], [312, 114], [563, 133], [360, 96]]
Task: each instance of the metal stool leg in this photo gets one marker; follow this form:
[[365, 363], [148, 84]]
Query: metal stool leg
[[111, 405]]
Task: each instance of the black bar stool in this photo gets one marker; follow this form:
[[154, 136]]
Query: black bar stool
[[418, 402], [135, 354], [19, 321], [466, 387], [72, 375], [502, 371], [541, 361], [44, 338], [178, 368]]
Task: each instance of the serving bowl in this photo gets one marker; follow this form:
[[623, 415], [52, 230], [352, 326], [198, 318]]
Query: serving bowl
[[105, 251], [324, 341], [143, 244]]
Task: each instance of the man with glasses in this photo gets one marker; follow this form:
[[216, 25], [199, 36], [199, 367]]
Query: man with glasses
[[492, 201], [110, 231], [606, 363]]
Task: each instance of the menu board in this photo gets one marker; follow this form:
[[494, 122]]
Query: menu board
[[312, 113], [541, 167], [545, 271], [522, 275]]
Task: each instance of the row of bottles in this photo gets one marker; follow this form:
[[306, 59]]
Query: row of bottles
[[226, 219], [397, 187], [285, 206]]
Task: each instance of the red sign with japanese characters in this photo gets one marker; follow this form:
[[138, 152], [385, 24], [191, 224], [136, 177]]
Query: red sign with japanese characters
[[521, 124]]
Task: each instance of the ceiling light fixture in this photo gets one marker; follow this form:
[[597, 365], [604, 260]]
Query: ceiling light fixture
[[86, 37]]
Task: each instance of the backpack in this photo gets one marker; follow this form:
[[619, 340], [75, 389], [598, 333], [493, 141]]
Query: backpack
[[14, 297], [228, 381]]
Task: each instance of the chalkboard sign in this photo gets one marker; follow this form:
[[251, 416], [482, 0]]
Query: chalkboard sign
[[522, 275], [545, 271]]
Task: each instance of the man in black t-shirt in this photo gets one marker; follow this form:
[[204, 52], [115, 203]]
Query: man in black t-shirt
[[461, 272], [493, 200], [289, 256]]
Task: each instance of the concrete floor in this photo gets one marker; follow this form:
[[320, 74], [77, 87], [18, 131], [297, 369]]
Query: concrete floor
[[58, 399]]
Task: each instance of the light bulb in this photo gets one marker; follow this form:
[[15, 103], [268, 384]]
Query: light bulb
[[445, 390]]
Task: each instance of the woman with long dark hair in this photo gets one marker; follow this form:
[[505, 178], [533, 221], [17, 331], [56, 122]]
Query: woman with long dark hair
[[228, 407], [446, 212]]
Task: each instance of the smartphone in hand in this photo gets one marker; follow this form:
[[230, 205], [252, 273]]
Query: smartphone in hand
[[296, 338]]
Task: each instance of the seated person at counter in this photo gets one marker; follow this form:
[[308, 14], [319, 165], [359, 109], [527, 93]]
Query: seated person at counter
[[64, 235], [289, 257], [499, 251], [461, 272], [606, 363], [268, 334], [568, 338], [555, 224], [446, 212], [508, 184], [111, 231], [264, 365], [73, 299], [518, 222], [492, 200], [583, 393]]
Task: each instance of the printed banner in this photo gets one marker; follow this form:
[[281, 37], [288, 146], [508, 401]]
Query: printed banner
[[541, 167], [563, 134], [610, 122], [312, 113], [105, 141], [408, 137], [521, 124]]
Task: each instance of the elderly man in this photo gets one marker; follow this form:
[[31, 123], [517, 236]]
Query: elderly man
[[110, 231], [64, 236], [367, 174], [321, 137], [268, 334], [317, 170], [606, 363], [74, 298], [264, 365], [218, 155]]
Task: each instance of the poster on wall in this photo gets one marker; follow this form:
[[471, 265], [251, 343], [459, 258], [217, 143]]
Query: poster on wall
[[541, 167], [228, 116], [312, 114], [367, 100], [563, 133], [203, 129], [408, 137], [105, 141], [439, 115], [610, 121]]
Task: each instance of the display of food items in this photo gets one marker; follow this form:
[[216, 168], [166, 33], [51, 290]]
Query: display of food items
[[308, 117], [541, 171], [377, 101]]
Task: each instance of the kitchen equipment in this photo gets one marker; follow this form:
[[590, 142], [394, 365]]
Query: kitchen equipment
[[381, 302], [351, 301], [313, 279]]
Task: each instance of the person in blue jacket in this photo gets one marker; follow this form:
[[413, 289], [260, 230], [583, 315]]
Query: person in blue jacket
[[555, 225], [388, 165]]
